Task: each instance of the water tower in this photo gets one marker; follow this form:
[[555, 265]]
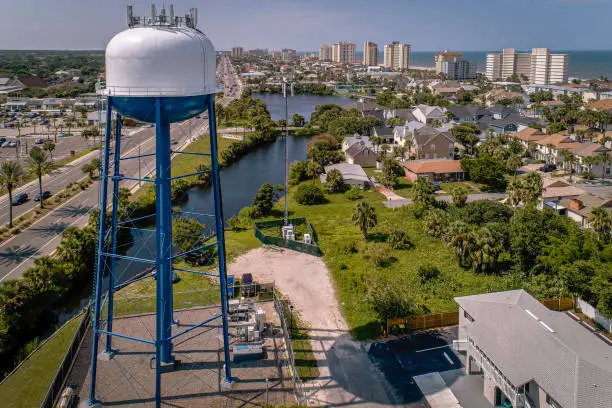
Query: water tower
[[160, 70]]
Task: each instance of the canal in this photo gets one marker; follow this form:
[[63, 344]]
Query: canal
[[240, 181]]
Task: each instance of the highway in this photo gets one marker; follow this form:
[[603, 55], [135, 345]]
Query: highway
[[18, 253]]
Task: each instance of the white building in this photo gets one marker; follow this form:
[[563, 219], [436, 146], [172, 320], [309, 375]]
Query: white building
[[343, 52], [397, 56], [454, 66], [539, 66]]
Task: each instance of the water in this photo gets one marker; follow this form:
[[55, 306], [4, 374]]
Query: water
[[302, 104], [582, 64]]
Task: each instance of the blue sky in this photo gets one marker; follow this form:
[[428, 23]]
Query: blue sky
[[306, 24]]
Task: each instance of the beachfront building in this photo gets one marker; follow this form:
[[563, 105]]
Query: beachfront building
[[531, 356], [454, 66], [237, 52], [538, 67], [370, 54], [397, 56], [325, 53], [343, 52]]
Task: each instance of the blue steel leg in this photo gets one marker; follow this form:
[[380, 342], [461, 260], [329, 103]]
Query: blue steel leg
[[220, 234], [113, 234], [100, 260]]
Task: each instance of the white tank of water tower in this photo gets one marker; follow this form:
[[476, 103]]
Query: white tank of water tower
[[160, 56]]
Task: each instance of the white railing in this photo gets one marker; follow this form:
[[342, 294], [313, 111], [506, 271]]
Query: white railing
[[489, 368], [158, 91]]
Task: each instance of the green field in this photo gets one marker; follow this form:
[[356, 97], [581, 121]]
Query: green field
[[28, 386], [352, 272]]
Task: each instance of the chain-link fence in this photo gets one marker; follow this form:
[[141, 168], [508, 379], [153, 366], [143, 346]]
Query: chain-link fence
[[298, 386], [300, 246]]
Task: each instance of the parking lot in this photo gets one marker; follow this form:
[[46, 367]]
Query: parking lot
[[422, 353]]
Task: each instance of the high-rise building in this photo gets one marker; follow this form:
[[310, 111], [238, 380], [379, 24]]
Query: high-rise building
[[237, 52], [397, 56], [287, 54], [454, 66], [370, 54], [325, 53], [258, 52], [539, 66], [447, 56], [343, 52]]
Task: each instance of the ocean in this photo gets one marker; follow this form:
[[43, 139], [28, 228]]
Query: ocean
[[582, 64]]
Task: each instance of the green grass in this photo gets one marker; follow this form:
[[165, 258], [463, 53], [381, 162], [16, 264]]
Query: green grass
[[58, 164], [448, 187], [352, 272], [28, 386], [305, 361]]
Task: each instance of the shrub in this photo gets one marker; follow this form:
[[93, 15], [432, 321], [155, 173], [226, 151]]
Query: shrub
[[353, 194], [309, 194], [389, 300], [335, 182], [400, 240], [349, 247], [588, 175], [379, 254], [234, 223], [427, 272], [247, 213]]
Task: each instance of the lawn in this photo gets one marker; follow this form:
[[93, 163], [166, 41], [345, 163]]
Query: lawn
[[29, 384], [448, 187], [352, 272]]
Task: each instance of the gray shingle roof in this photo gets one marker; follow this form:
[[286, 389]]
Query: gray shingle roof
[[571, 364]]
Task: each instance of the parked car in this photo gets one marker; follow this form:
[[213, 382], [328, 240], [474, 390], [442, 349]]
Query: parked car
[[20, 199], [12, 143], [45, 194], [39, 141], [2, 140], [63, 134], [6, 144], [547, 168]]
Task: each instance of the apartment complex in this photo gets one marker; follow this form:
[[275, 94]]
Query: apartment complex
[[538, 67], [287, 54], [397, 56], [454, 66], [325, 53], [237, 52], [370, 54], [343, 52]]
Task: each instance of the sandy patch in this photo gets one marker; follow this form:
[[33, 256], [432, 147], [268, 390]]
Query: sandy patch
[[306, 281]]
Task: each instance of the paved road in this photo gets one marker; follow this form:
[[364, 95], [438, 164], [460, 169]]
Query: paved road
[[58, 179], [42, 238]]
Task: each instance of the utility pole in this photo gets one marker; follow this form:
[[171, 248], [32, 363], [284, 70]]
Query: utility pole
[[286, 83]]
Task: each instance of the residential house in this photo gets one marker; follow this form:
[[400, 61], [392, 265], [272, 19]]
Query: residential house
[[589, 149], [404, 114], [32, 81], [549, 148], [529, 135], [348, 141], [585, 93], [8, 85], [402, 133], [531, 356], [383, 132], [499, 94], [352, 174], [554, 190], [427, 114], [466, 113], [579, 208], [503, 119], [434, 170], [377, 113], [359, 153], [429, 143]]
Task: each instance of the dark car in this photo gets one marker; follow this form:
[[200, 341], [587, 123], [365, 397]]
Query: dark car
[[547, 168], [39, 140], [20, 199], [2, 140], [45, 195]]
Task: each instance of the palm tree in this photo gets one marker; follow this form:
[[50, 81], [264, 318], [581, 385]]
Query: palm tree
[[39, 164], [569, 159], [11, 174], [49, 147], [515, 195], [549, 154], [604, 159], [459, 236], [601, 222], [364, 217], [409, 144], [485, 250]]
